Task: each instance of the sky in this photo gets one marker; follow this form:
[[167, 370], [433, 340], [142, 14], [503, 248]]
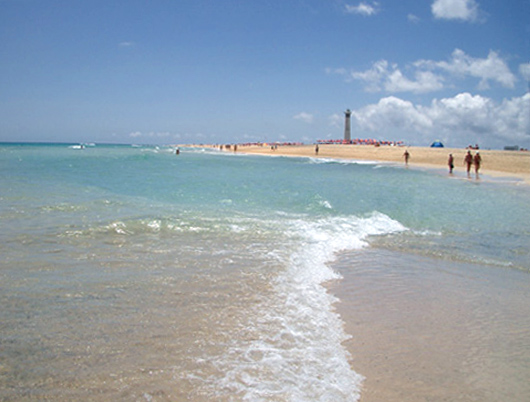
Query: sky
[[233, 71]]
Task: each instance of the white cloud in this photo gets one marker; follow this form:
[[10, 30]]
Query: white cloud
[[524, 70], [492, 68], [413, 18], [392, 112], [429, 75], [424, 81], [464, 10], [305, 117], [373, 77], [126, 44], [463, 112], [383, 76], [363, 8], [459, 121], [135, 134], [514, 118]]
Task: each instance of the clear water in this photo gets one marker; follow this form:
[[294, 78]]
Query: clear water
[[128, 272]]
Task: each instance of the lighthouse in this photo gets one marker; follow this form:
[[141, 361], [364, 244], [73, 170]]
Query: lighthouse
[[347, 124]]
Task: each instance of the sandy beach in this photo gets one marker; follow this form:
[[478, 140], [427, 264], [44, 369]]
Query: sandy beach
[[495, 163], [420, 327]]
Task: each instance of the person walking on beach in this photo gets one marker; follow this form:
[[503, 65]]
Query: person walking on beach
[[477, 160], [468, 161], [316, 149], [406, 155], [451, 163]]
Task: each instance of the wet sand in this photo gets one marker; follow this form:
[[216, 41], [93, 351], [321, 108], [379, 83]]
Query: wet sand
[[495, 163], [433, 330]]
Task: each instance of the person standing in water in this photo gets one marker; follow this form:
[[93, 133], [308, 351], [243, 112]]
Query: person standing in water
[[477, 160], [406, 155], [468, 161], [451, 163]]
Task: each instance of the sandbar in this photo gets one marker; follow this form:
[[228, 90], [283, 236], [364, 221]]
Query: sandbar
[[495, 163]]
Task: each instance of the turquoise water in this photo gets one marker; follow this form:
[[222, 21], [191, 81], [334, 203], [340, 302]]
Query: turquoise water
[[131, 272]]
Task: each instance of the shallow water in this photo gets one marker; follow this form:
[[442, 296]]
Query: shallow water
[[128, 272], [430, 329]]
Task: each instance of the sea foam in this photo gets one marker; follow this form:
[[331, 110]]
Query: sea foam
[[293, 347]]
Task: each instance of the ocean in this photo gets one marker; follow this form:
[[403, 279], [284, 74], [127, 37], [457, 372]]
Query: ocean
[[128, 272]]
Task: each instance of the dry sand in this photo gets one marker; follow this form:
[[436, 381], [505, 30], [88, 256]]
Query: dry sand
[[509, 164]]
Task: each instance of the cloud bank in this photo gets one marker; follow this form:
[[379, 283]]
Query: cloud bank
[[458, 121], [492, 68], [430, 75]]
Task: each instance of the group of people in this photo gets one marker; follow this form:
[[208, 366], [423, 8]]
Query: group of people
[[469, 160]]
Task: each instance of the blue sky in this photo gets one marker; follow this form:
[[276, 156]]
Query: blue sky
[[200, 71]]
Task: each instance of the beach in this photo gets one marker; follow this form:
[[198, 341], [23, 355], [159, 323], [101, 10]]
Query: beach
[[134, 273], [417, 325], [495, 163]]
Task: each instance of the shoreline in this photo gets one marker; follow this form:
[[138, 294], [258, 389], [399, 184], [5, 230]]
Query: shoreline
[[495, 163]]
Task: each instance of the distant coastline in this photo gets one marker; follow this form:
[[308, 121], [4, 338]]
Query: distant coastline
[[495, 163]]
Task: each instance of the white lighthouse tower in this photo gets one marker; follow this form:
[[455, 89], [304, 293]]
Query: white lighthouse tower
[[347, 125]]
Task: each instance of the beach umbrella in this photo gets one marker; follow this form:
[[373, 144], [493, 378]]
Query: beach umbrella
[[437, 144]]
